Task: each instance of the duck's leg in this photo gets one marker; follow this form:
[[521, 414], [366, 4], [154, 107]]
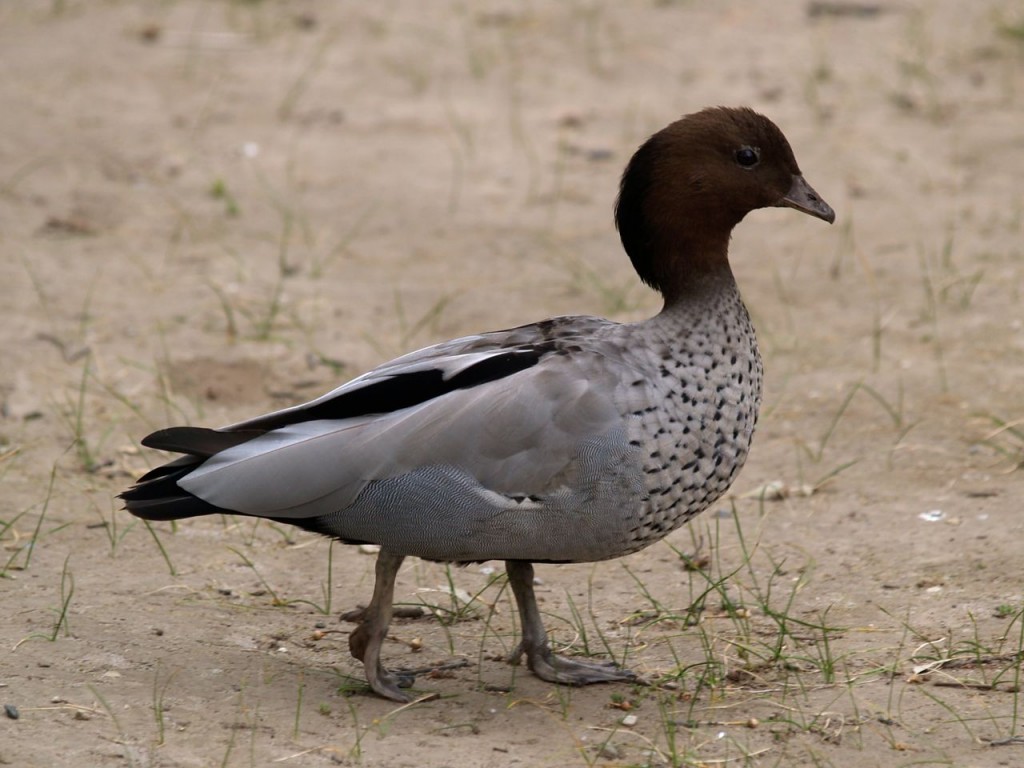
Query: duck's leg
[[539, 658], [366, 639]]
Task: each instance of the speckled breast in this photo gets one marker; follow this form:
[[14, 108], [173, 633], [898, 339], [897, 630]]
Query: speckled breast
[[693, 419]]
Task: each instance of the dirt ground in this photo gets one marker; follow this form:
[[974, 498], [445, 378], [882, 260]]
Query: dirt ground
[[212, 209]]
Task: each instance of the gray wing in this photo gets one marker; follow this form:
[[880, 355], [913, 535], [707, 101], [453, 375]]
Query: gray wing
[[516, 430]]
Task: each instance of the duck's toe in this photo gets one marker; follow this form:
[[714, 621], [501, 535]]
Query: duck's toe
[[389, 684], [558, 669]]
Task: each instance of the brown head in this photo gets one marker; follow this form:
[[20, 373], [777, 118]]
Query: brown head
[[692, 182]]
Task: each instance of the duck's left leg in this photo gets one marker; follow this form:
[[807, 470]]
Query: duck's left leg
[[366, 640]]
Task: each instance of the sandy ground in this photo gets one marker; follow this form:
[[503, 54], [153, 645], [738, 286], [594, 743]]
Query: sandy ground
[[212, 209]]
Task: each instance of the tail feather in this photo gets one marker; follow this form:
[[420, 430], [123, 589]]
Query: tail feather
[[157, 495], [171, 507], [198, 441]]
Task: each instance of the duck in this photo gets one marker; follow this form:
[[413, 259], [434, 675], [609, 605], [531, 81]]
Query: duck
[[573, 439]]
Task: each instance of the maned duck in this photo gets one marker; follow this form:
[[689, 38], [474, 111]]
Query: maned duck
[[574, 439]]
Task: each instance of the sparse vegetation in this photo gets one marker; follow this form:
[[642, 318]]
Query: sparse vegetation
[[306, 191]]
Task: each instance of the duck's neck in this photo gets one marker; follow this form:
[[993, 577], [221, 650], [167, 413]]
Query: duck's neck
[[695, 277]]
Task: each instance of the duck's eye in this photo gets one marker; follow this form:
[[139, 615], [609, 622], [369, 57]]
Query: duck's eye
[[747, 157]]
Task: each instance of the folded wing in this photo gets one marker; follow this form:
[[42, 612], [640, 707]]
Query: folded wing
[[512, 418]]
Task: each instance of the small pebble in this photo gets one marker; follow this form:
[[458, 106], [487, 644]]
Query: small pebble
[[609, 752], [776, 490], [629, 720], [150, 33], [11, 711]]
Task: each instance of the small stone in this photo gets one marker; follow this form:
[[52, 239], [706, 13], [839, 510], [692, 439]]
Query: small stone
[[776, 490], [629, 720], [609, 751], [11, 711], [150, 33]]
